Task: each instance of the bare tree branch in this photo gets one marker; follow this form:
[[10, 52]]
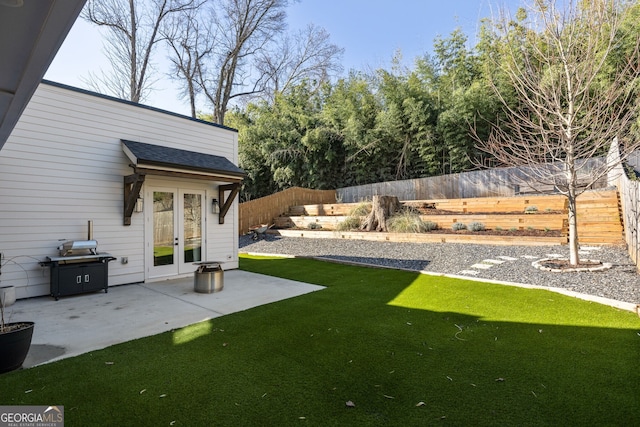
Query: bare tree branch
[[245, 27], [310, 56], [133, 28], [191, 40]]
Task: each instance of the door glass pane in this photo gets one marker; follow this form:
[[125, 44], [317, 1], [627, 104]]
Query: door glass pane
[[192, 228], [163, 233]]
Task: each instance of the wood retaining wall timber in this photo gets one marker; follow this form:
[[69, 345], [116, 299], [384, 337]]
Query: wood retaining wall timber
[[424, 237], [506, 221], [600, 218], [497, 204]]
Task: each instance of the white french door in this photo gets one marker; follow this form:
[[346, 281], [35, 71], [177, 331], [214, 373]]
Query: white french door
[[175, 230]]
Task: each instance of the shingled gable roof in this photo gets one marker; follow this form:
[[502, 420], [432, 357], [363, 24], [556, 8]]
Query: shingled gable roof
[[156, 157]]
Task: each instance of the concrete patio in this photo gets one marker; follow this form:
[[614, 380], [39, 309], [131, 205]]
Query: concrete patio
[[79, 324]]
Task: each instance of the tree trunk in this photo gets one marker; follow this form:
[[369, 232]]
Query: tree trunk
[[382, 207], [574, 256]]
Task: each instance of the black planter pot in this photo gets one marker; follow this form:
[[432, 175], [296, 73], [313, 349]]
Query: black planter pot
[[14, 346]]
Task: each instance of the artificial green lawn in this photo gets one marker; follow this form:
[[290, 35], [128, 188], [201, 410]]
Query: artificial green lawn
[[405, 349]]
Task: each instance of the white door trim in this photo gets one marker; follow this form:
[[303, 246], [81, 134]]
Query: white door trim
[[178, 267]]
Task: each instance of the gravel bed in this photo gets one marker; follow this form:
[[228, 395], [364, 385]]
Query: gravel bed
[[621, 282]]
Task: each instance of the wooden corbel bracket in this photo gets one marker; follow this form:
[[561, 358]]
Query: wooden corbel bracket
[[225, 204], [132, 185]]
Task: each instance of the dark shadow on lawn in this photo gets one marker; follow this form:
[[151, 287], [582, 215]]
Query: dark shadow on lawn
[[406, 264]]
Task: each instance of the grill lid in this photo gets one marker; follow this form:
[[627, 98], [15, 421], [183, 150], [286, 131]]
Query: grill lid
[[77, 247]]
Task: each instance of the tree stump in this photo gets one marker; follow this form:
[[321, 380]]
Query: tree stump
[[382, 207]]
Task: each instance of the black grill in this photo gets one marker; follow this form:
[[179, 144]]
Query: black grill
[[80, 268]]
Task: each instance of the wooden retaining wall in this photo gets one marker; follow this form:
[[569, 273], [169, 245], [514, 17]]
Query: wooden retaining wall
[[600, 218], [506, 222], [630, 202], [497, 204], [263, 210], [425, 237], [599, 214]]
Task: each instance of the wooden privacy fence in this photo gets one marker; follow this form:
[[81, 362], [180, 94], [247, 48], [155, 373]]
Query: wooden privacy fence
[[498, 182], [265, 209]]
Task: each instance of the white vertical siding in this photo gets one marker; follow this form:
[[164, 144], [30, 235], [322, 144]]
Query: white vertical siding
[[63, 165]]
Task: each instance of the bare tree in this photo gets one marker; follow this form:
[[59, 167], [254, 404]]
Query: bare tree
[[308, 55], [133, 33], [571, 101], [244, 27], [191, 41]]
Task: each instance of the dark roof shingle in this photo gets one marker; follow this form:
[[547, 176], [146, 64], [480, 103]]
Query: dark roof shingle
[[156, 155]]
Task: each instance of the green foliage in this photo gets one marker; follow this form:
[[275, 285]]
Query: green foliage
[[530, 209], [630, 172]]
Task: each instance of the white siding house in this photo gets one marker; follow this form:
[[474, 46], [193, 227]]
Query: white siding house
[[65, 164]]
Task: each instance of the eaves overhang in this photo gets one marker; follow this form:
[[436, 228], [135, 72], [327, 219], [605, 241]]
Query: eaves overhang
[[151, 159], [30, 35]]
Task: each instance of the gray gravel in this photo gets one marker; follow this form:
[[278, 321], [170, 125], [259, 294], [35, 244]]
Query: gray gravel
[[621, 282]]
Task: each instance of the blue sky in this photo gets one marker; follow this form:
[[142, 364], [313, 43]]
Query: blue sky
[[370, 31]]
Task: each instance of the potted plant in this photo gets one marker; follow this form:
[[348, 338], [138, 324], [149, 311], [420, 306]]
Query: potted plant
[[15, 340]]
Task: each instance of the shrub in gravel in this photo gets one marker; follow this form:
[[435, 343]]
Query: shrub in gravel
[[475, 226], [457, 226]]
